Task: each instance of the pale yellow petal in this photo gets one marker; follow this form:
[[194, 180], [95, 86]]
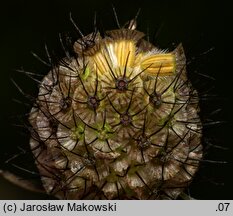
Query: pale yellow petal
[[125, 49], [164, 64]]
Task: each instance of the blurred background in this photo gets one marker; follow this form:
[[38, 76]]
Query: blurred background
[[204, 28]]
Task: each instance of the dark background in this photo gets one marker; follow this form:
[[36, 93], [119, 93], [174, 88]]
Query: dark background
[[200, 25]]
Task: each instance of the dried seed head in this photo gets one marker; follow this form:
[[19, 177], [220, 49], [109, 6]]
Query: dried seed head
[[118, 121]]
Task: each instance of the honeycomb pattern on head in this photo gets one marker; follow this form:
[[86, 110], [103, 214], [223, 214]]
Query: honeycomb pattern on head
[[119, 120]]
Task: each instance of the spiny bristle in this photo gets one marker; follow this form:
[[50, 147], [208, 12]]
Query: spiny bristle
[[119, 121]]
